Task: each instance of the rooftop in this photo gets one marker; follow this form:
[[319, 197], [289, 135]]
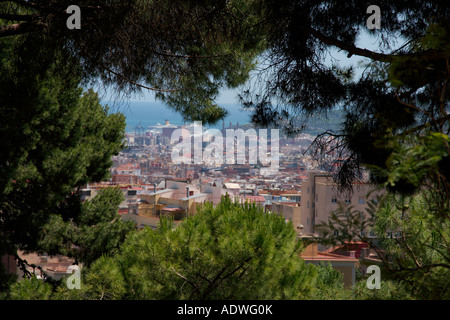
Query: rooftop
[[255, 198], [324, 256]]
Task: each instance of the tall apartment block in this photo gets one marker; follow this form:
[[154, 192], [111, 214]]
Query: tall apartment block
[[320, 197]]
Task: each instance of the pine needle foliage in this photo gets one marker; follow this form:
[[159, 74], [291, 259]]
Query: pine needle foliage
[[231, 251]]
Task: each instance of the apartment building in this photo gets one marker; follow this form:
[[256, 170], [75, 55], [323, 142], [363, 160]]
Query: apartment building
[[275, 195], [290, 211], [320, 197]]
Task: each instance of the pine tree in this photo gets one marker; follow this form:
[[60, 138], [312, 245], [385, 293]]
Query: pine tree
[[231, 251], [56, 137]]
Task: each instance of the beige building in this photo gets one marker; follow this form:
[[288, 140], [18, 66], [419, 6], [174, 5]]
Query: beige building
[[177, 200], [320, 197], [290, 211]]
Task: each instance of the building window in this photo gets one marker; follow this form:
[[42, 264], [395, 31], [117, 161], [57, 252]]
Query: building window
[[333, 200], [361, 200], [348, 201], [336, 233]]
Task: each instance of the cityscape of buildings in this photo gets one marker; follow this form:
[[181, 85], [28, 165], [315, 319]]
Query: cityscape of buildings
[[299, 190]]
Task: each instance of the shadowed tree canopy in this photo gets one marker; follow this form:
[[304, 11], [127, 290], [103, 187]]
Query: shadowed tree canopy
[[409, 237], [396, 119], [90, 229], [231, 251], [56, 137], [402, 90], [185, 51]]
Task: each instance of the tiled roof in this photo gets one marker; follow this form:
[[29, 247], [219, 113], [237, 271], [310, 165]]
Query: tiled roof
[[324, 256]]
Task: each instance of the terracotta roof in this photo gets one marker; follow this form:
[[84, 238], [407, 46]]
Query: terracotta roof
[[324, 256], [344, 250]]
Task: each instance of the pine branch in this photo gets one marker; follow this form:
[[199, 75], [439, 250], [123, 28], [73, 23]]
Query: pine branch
[[382, 57], [16, 17], [15, 29]]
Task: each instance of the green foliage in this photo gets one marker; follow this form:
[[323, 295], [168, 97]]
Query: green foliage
[[6, 281], [184, 51], [403, 89], [197, 70], [329, 284], [103, 281], [228, 252], [417, 161], [411, 238], [97, 230], [416, 72], [415, 240], [56, 138], [389, 290], [31, 289]]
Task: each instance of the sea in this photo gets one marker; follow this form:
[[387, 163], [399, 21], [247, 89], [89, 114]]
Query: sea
[[144, 114]]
